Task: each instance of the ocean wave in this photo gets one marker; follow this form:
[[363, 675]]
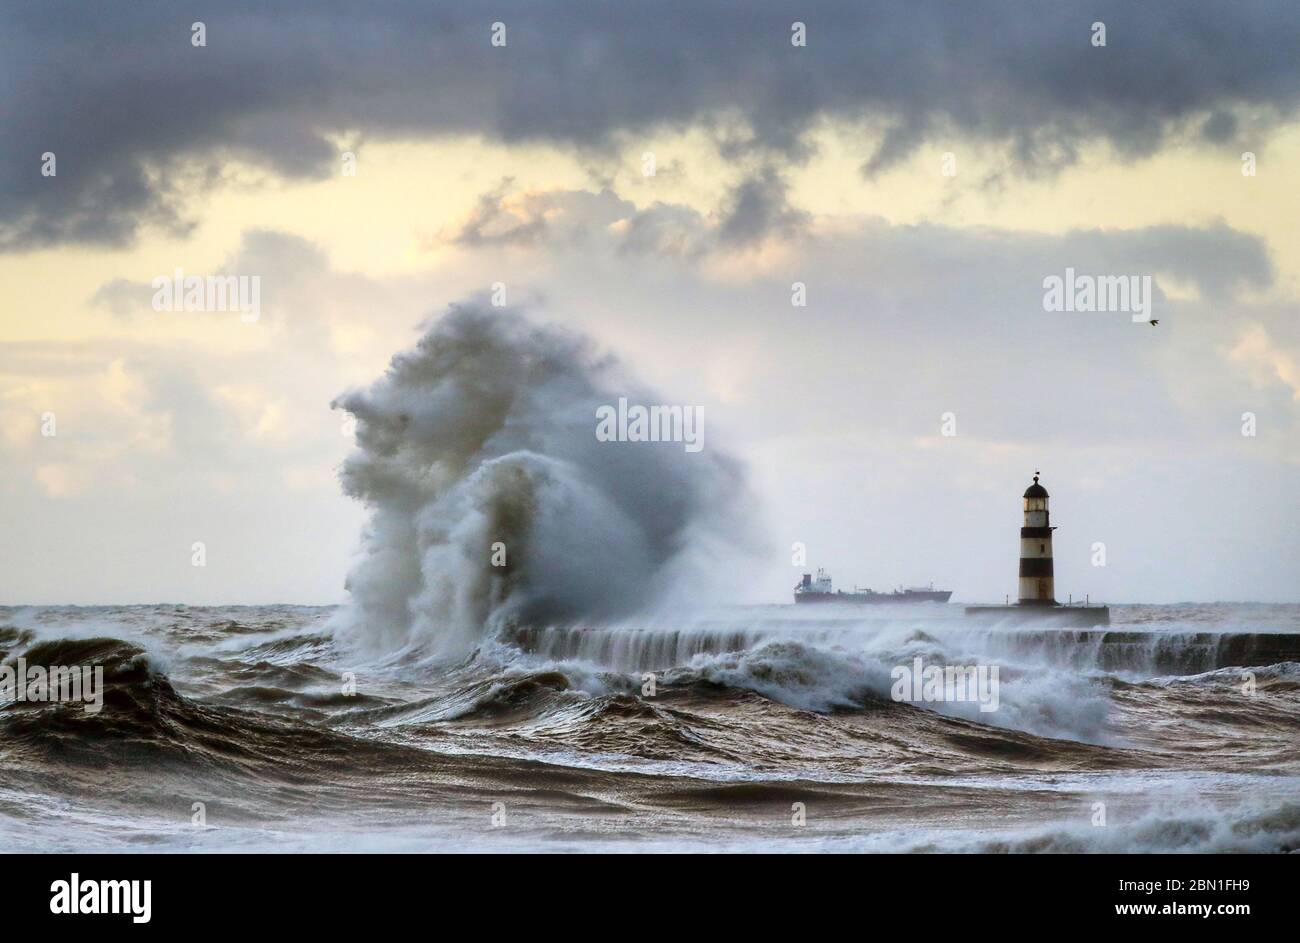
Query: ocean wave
[[1191, 828], [1034, 700], [488, 504], [719, 723], [143, 722]]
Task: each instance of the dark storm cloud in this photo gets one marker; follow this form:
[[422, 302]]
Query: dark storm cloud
[[759, 206], [124, 100]]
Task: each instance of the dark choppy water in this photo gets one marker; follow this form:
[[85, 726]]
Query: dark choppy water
[[550, 739]]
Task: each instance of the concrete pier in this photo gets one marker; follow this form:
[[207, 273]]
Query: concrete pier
[[1050, 615]]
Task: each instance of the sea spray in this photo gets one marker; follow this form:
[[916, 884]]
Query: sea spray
[[493, 502], [823, 663]]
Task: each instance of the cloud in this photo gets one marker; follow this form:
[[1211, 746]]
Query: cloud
[[1267, 361], [300, 293], [137, 115], [754, 210], [123, 297], [904, 322], [759, 206], [1219, 260], [505, 218], [835, 407]]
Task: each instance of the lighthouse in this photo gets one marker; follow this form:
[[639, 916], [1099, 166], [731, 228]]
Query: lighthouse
[[1036, 602], [1036, 581]]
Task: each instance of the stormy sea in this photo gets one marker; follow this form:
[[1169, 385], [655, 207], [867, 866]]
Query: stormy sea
[[766, 729], [525, 662]]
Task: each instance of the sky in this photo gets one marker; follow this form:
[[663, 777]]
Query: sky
[[660, 177]]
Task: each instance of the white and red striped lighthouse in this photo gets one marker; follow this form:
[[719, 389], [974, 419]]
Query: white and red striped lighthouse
[[1036, 581]]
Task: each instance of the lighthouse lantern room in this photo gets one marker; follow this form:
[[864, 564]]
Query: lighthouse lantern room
[[1036, 579]]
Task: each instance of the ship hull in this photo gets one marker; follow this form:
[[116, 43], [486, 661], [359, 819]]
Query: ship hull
[[873, 599]]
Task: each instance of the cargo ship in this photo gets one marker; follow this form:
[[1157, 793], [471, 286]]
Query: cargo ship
[[819, 590]]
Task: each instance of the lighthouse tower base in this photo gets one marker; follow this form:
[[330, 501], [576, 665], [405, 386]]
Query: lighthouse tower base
[[1058, 615]]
